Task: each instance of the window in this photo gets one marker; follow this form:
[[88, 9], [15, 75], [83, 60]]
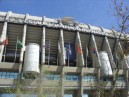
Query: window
[[89, 78], [120, 79], [52, 76], [70, 54], [12, 75], [52, 59], [10, 56], [72, 77], [107, 79]]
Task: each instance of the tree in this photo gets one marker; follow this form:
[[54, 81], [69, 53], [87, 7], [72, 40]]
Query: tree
[[121, 12]]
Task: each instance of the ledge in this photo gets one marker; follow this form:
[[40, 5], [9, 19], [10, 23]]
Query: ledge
[[9, 66]]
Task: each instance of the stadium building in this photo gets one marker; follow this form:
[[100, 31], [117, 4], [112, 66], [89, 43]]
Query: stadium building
[[40, 55]]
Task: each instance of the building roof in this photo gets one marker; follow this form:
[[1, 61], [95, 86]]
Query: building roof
[[70, 23]]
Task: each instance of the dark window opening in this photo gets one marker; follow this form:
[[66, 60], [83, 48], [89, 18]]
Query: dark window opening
[[89, 62], [107, 79], [51, 59], [70, 54], [11, 57]]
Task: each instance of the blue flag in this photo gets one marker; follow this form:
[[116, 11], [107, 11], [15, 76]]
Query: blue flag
[[70, 51], [48, 44]]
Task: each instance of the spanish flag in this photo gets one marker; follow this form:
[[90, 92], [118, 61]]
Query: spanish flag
[[5, 42]]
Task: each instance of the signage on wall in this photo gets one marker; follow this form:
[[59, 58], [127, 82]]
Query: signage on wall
[[54, 25]]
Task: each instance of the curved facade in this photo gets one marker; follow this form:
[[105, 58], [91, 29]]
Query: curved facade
[[69, 51]]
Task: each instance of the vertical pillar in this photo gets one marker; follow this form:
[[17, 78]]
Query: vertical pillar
[[23, 43], [61, 53], [40, 82], [122, 60], [62, 82], [22, 52], [3, 34], [24, 38], [126, 84], [43, 46], [98, 85], [79, 53], [2, 38], [107, 48], [96, 61], [81, 81], [94, 52]]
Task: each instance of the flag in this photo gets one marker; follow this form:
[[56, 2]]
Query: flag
[[68, 49], [19, 44], [78, 47], [94, 51], [86, 51], [48, 44], [5, 42], [79, 50]]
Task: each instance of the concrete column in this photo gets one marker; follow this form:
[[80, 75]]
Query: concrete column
[[22, 49], [107, 48], [122, 60], [79, 53], [96, 60], [61, 53], [2, 38], [78, 93], [125, 92], [98, 85], [23, 42], [81, 82], [62, 82], [43, 46], [94, 52], [3, 34], [24, 38], [40, 83]]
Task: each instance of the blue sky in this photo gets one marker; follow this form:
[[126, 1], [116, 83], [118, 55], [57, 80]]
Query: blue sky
[[93, 12]]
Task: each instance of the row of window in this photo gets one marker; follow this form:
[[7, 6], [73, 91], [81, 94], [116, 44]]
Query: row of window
[[53, 76], [34, 95], [74, 77], [52, 59], [13, 75]]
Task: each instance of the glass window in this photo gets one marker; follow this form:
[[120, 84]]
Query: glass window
[[89, 78], [120, 78], [72, 77], [52, 76], [8, 75]]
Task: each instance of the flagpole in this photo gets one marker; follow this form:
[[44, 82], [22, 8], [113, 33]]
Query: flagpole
[[68, 53], [15, 51], [86, 54], [4, 54], [57, 59], [48, 56], [49, 52]]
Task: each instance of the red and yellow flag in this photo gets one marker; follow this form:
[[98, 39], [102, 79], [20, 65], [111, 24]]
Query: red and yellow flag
[[5, 42], [79, 50]]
